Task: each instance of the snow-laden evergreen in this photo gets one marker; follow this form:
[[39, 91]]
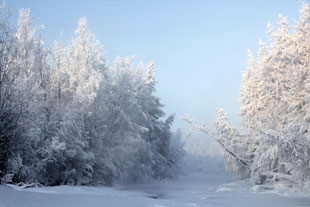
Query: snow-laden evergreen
[[68, 118], [275, 103]]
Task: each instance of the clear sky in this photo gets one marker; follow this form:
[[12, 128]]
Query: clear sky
[[199, 47]]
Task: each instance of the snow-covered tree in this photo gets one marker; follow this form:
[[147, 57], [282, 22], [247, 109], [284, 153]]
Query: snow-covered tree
[[9, 107], [128, 127], [31, 76], [275, 106], [238, 149], [78, 72]]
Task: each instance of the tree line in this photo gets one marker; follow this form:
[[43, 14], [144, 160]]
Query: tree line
[[68, 118], [273, 144]]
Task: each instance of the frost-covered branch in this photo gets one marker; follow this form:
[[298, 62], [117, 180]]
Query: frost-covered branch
[[202, 128]]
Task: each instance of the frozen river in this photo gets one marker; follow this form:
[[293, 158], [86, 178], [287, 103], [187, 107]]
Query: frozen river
[[203, 190], [188, 191]]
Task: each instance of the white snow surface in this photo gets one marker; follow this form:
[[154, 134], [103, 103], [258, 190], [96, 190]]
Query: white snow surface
[[195, 190]]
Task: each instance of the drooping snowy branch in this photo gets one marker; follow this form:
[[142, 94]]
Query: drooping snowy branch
[[202, 128]]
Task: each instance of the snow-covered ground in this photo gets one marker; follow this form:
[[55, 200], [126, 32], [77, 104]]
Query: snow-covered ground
[[188, 191]]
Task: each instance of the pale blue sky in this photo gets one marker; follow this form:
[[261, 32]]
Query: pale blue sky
[[199, 47]]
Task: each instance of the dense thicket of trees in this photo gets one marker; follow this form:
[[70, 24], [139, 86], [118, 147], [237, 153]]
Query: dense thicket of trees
[[68, 118], [275, 106], [275, 102], [274, 145]]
